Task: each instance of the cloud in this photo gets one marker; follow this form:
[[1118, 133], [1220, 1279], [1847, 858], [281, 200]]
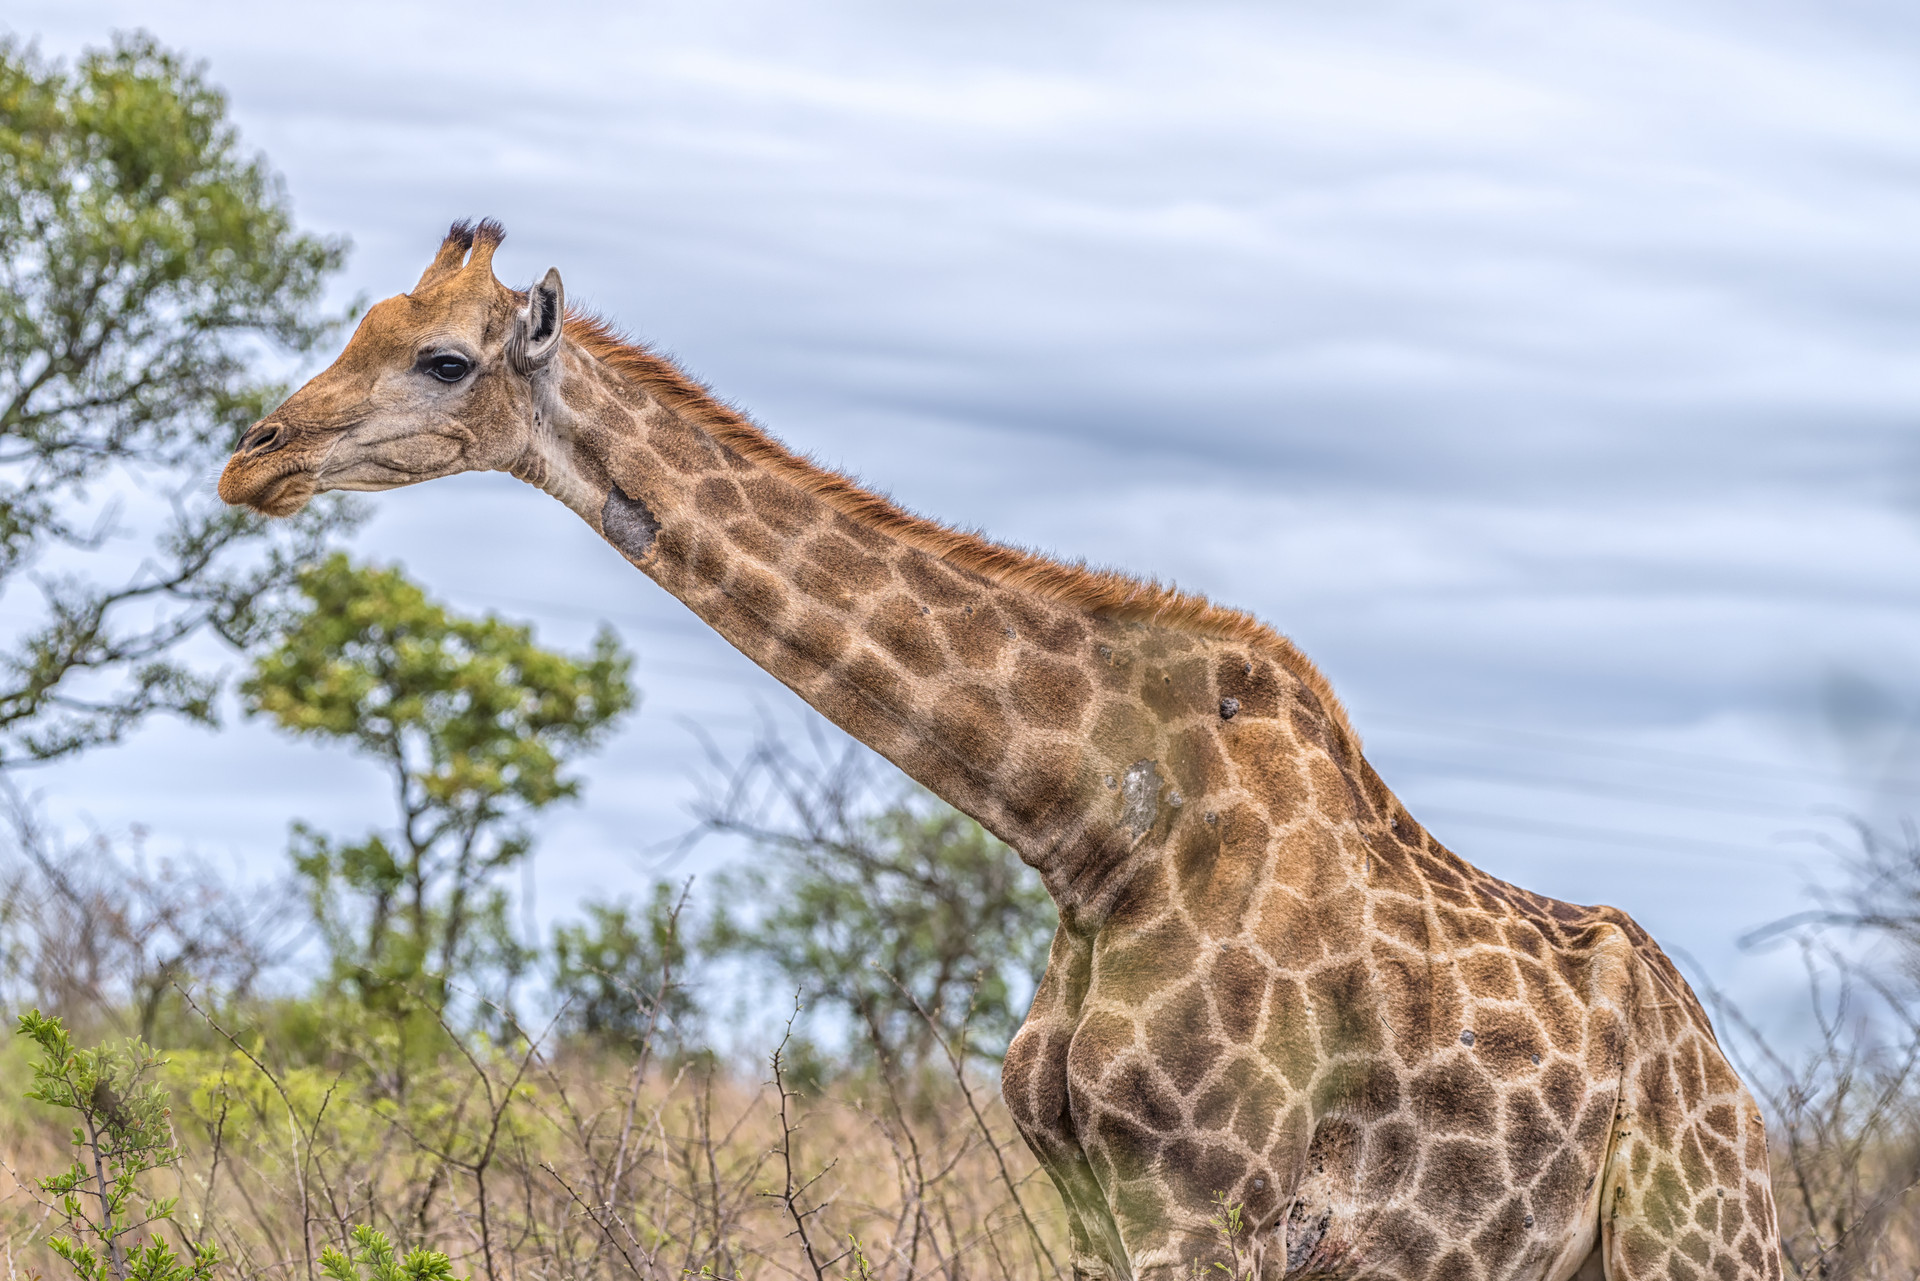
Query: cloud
[[1538, 367]]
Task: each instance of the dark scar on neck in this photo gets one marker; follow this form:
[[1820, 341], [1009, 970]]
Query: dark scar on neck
[[628, 524]]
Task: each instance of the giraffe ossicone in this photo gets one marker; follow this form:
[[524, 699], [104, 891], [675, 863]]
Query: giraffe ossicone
[[1270, 985]]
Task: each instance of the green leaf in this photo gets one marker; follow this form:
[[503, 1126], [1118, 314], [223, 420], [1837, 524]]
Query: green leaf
[[145, 258], [336, 1265], [474, 725]]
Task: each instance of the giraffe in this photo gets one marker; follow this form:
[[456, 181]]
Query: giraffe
[[1270, 987]]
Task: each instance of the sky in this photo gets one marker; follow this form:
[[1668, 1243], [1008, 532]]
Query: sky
[[1547, 372]]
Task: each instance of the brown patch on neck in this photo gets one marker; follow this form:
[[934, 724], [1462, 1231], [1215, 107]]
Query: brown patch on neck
[[1102, 592]]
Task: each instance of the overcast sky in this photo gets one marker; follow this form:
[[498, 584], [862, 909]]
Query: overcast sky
[[1547, 371]]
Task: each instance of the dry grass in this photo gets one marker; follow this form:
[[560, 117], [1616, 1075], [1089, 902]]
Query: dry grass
[[543, 1158], [581, 1165]]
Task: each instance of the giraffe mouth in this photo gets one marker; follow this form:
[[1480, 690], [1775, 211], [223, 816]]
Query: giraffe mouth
[[278, 495]]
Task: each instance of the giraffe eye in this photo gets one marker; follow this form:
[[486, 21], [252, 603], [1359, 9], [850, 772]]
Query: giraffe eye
[[448, 369]]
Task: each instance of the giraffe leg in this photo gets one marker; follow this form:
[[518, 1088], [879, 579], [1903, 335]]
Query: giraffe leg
[[1187, 1256], [1092, 1236], [1661, 1224], [1165, 1242], [1688, 1191]]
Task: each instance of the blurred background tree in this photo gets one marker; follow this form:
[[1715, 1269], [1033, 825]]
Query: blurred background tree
[[898, 912], [474, 725], [97, 931], [623, 974], [146, 266]]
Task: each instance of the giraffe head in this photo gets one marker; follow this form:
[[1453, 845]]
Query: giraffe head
[[435, 381]]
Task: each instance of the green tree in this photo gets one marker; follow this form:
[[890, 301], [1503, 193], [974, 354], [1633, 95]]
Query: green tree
[[123, 1133], [622, 972], [474, 725], [902, 913], [146, 264]]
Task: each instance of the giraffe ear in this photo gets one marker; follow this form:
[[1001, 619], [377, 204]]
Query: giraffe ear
[[536, 329]]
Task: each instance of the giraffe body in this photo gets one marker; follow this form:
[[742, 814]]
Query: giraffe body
[[1270, 987]]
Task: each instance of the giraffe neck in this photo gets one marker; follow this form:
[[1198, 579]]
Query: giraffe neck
[[1055, 723]]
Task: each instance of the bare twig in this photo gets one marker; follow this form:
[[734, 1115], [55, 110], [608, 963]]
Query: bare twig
[[790, 1193], [958, 1064], [301, 1149]]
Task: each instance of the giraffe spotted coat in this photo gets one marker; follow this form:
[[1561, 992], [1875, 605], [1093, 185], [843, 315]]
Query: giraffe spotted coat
[[1270, 988]]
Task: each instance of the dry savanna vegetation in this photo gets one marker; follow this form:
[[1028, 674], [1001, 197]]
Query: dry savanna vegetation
[[585, 1127], [613, 1138], [516, 1162]]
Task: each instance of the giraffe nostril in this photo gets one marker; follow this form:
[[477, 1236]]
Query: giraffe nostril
[[262, 438]]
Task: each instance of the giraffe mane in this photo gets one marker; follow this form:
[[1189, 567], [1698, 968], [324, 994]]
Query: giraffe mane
[[1108, 593]]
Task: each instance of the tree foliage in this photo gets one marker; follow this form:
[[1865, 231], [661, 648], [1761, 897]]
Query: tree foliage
[[146, 265], [474, 725], [900, 912], [621, 973]]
